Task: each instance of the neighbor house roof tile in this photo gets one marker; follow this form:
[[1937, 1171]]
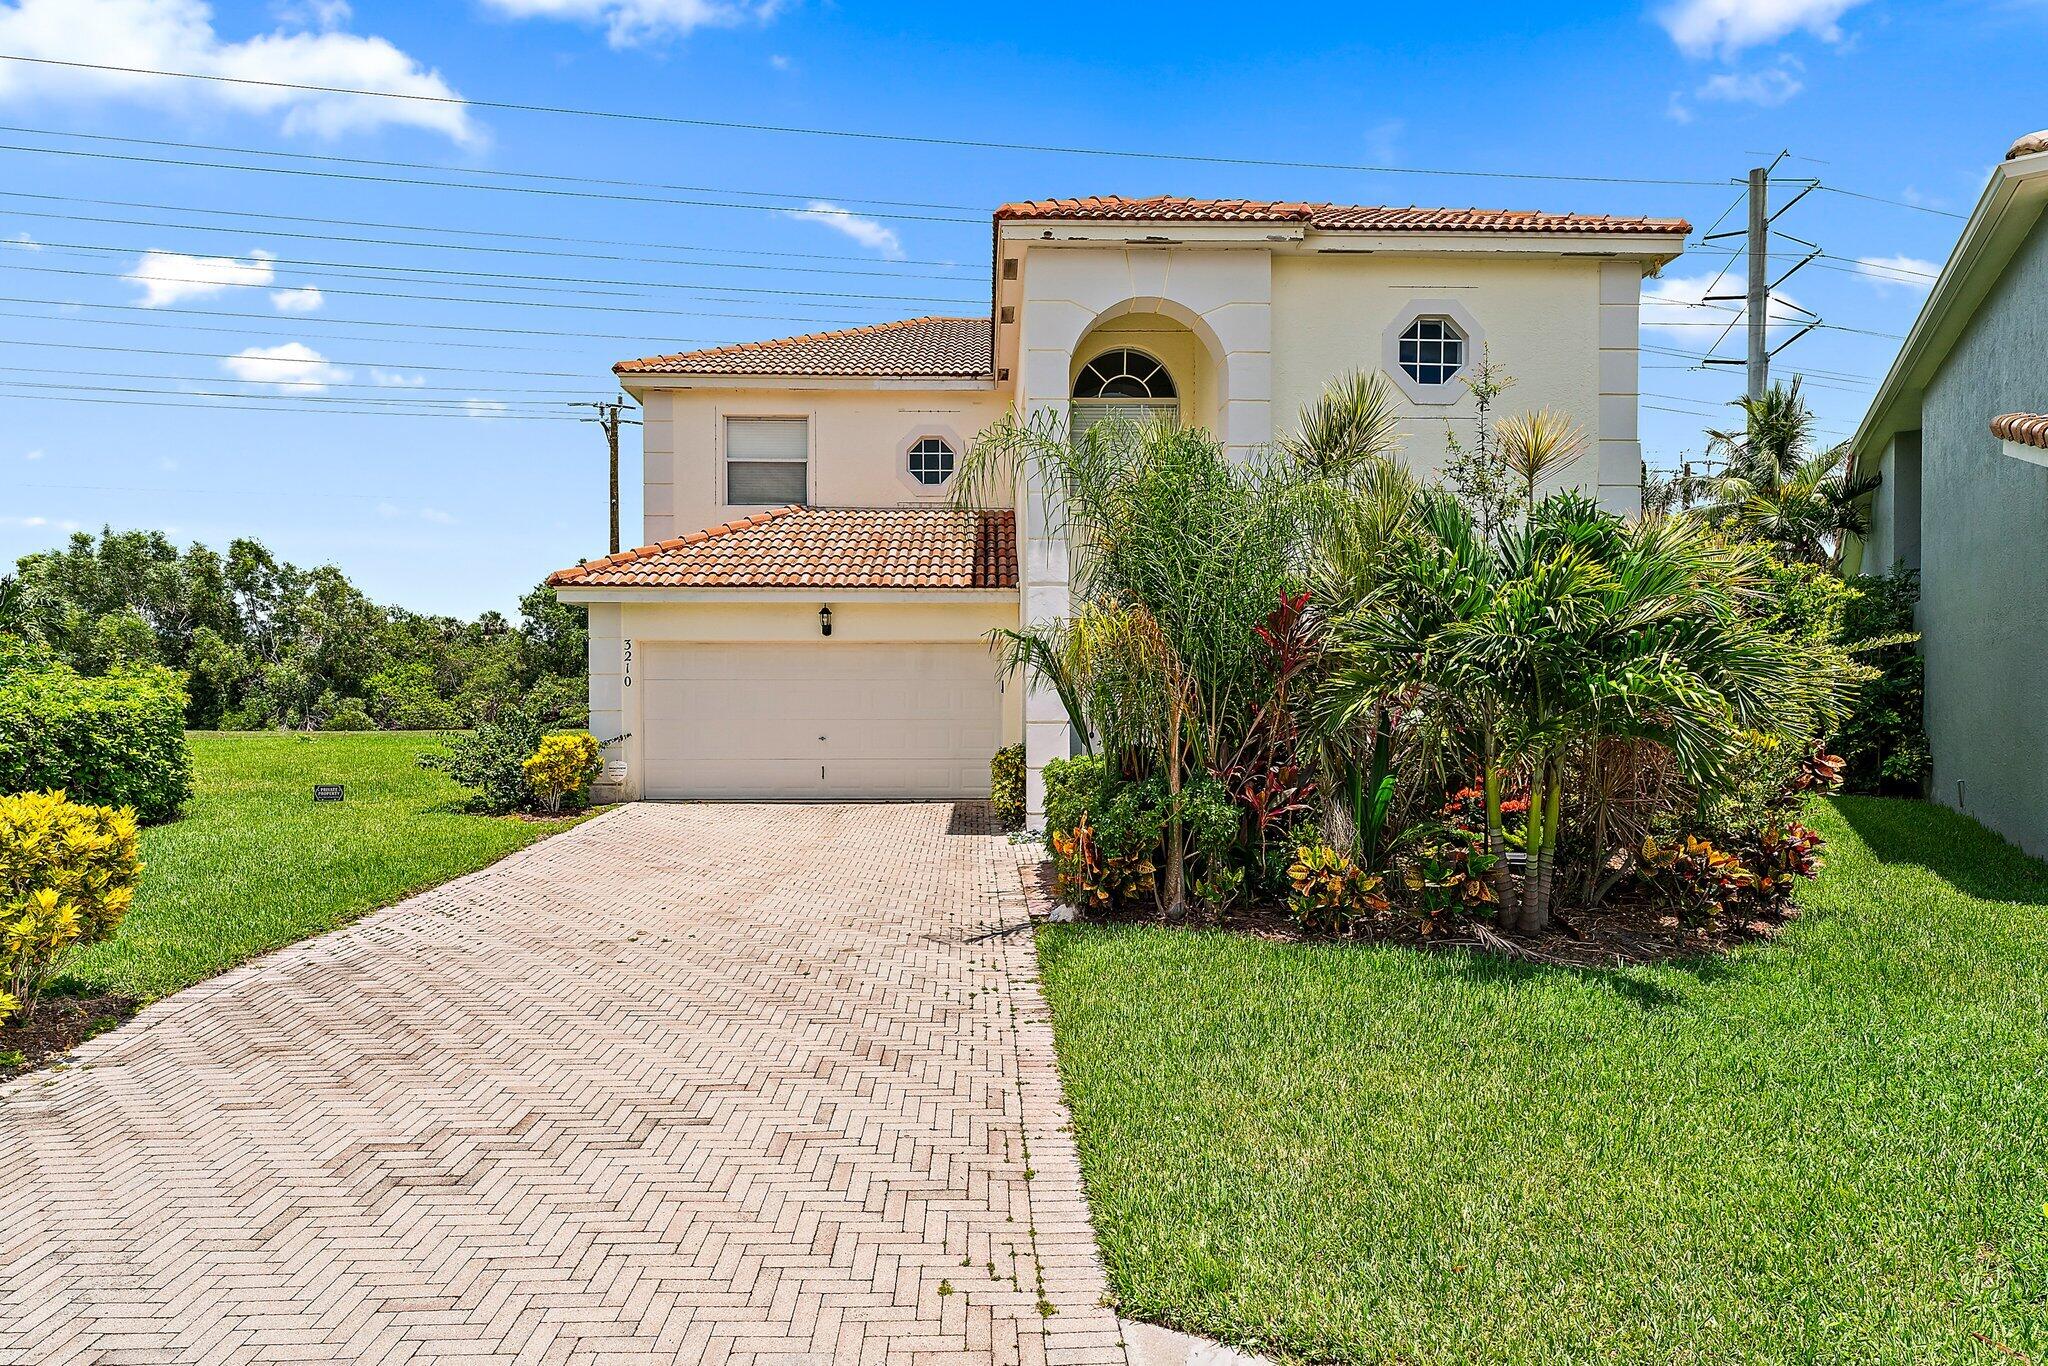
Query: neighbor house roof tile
[[801, 547], [1330, 217], [919, 348], [2029, 429]]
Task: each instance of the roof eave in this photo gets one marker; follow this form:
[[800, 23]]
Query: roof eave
[[2005, 213], [637, 382], [598, 593]]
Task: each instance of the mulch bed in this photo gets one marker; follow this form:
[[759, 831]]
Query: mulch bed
[[1624, 932], [60, 1024]]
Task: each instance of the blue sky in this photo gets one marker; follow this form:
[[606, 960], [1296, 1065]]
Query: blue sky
[[421, 443]]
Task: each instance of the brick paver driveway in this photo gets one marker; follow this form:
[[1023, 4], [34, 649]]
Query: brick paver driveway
[[764, 1084]]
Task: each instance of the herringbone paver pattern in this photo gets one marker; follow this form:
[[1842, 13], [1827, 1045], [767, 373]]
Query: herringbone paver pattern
[[740, 1084]]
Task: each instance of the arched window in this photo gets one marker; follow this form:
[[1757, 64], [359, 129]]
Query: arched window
[[1122, 384]]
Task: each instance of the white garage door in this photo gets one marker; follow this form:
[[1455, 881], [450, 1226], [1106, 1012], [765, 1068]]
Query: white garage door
[[821, 720]]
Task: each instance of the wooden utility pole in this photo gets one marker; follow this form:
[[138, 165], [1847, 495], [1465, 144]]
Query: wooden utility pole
[[609, 417]]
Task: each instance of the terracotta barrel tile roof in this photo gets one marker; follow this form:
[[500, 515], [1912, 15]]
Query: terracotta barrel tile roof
[[924, 348], [2029, 429], [1330, 217], [800, 547]]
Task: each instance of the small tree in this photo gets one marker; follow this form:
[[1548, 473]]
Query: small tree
[[564, 766], [67, 876], [1476, 474]]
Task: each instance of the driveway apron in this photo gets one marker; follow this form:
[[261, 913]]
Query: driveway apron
[[693, 1083]]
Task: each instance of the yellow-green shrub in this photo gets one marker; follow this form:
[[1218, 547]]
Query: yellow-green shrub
[[67, 876], [1331, 892], [565, 765]]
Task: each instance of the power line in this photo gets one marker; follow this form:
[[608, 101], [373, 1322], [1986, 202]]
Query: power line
[[1653, 349], [883, 270], [734, 125], [368, 270], [426, 407], [397, 390], [806, 198], [372, 322], [361, 177], [42, 345], [275, 325], [86, 396], [1895, 203], [299, 493]]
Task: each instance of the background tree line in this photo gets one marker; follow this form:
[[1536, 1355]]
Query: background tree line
[[264, 643]]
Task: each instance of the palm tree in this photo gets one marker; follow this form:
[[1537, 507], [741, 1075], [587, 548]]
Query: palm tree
[[1571, 629], [1177, 552], [1775, 488]]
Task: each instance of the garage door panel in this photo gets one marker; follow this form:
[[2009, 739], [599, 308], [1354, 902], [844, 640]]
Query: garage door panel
[[818, 721]]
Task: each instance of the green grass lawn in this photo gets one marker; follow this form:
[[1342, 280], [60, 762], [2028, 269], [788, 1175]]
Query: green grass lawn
[[1830, 1148], [255, 864]]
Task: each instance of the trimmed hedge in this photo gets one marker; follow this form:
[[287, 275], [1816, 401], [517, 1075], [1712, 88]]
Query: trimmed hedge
[[1006, 786], [115, 741]]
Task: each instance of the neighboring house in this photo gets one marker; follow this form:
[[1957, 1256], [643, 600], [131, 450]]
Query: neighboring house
[[1956, 434], [801, 486]]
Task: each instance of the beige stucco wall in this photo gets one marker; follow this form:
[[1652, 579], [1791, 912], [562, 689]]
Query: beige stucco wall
[[1252, 331], [858, 443], [1541, 318], [620, 633]]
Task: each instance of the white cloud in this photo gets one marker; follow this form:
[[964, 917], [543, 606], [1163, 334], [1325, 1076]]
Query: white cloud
[[24, 241], [168, 277], [178, 35], [319, 14], [1898, 272], [436, 515], [1703, 27], [485, 407], [779, 62], [1678, 304], [392, 380], [301, 299], [866, 231], [32, 455], [1770, 87], [293, 367], [32, 523], [631, 22]]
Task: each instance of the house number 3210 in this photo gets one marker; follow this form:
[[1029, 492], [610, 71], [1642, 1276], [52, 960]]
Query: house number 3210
[[626, 657]]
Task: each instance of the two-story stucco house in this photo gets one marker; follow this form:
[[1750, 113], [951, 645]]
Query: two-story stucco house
[[1959, 433], [808, 619]]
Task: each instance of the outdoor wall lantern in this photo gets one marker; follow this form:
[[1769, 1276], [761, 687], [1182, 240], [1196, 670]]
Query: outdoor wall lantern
[[824, 621]]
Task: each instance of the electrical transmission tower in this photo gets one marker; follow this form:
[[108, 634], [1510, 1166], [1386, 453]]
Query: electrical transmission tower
[[1759, 297]]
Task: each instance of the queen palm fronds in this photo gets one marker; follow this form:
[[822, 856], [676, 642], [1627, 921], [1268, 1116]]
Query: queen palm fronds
[[1776, 489]]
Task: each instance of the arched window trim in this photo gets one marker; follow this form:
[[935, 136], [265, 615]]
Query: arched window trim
[[1125, 369]]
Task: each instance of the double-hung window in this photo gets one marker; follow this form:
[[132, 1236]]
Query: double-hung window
[[767, 461]]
